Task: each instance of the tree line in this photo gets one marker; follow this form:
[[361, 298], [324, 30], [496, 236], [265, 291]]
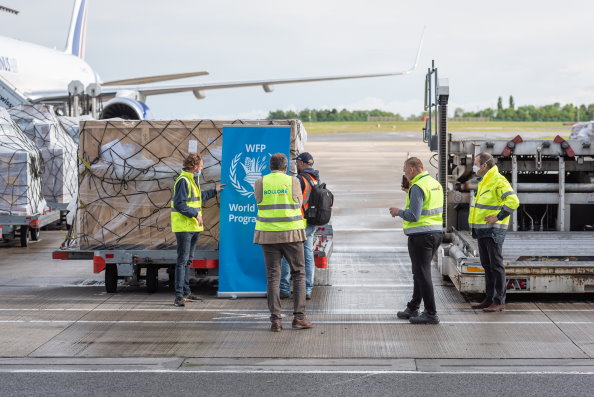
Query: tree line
[[554, 112], [331, 115]]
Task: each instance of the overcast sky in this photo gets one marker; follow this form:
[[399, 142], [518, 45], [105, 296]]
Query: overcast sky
[[538, 51]]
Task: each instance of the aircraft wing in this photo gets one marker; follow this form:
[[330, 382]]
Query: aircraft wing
[[198, 89]]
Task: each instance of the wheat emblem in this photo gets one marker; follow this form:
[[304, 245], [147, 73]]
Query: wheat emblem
[[233, 176]]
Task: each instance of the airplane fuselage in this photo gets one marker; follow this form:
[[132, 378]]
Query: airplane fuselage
[[33, 69]]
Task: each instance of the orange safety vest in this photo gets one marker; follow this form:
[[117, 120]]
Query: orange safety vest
[[306, 192]]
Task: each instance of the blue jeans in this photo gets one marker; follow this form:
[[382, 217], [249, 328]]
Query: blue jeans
[[185, 253], [285, 281]]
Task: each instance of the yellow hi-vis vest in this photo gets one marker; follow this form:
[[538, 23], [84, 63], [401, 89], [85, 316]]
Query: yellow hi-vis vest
[[278, 212], [494, 193], [179, 222], [431, 219]]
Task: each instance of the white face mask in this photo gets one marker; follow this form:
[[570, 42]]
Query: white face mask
[[197, 173], [475, 168]]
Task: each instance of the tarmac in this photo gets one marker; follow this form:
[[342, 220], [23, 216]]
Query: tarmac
[[58, 325]]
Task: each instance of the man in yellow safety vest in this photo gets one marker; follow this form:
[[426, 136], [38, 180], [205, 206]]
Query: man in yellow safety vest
[[423, 224], [488, 219], [280, 230], [187, 223]]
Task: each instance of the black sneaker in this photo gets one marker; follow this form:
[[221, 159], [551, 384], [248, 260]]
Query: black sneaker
[[425, 318], [407, 313], [285, 295], [179, 301]]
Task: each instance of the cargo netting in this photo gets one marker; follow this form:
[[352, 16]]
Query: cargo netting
[[58, 150], [21, 170], [127, 170]]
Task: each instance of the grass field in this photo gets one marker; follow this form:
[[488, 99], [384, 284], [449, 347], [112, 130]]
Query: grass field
[[555, 128]]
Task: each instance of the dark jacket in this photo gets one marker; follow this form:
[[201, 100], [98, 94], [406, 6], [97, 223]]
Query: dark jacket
[[315, 174], [181, 196]]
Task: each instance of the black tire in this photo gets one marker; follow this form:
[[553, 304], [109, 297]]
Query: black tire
[[24, 235], [152, 279], [35, 234], [111, 278]]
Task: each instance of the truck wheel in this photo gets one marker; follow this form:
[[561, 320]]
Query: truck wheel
[[24, 235], [152, 279], [34, 234], [111, 277]]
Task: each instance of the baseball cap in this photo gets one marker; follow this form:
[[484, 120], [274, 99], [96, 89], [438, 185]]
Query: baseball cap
[[306, 158]]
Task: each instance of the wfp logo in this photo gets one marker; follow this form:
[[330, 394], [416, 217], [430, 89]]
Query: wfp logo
[[252, 168]]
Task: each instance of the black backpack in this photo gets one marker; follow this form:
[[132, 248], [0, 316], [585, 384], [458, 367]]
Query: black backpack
[[320, 203]]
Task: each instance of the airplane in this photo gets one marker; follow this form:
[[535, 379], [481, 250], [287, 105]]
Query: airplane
[[30, 73]]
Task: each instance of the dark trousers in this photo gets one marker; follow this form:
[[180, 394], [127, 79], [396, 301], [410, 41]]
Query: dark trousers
[[491, 255], [293, 253], [185, 253], [421, 248]]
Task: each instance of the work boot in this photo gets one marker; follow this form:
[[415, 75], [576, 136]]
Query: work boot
[[303, 323], [407, 313], [425, 318], [276, 326], [179, 301], [494, 308], [308, 296], [482, 305], [285, 295], [192, 298]]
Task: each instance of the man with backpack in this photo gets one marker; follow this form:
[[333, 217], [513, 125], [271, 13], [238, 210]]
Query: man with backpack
[[316, 209]]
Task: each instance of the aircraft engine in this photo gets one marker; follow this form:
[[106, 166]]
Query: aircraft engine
[[126, 108]]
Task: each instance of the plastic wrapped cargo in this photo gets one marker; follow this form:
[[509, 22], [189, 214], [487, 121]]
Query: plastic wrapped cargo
[[584, 132], [59, 151], [21, 170], [128, 171], [72, 125]]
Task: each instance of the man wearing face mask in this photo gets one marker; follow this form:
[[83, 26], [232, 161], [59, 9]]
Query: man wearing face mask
[[493, 203], [186, 222], [423, 224]]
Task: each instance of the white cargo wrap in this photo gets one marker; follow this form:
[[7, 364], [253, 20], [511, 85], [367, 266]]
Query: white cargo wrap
[[58, 149], [21, 169]]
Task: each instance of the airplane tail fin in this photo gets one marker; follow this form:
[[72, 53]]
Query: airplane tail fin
[[78, 29]]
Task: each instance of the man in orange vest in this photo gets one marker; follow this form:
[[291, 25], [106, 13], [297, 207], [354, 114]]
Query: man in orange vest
[[305, 173]]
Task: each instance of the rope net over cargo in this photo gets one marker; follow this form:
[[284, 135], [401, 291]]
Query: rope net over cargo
[[127, 172], [21, 170], [57, 147]]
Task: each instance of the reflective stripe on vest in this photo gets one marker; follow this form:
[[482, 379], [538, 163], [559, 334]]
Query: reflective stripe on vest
[[487, 203], [180, 222], [278, 211], [431, 218]]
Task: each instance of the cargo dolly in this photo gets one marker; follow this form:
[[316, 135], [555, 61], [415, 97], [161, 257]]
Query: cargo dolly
[[22, 227], [138, 264]]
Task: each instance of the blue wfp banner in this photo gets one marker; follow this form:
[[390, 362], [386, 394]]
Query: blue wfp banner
[[246, 157]]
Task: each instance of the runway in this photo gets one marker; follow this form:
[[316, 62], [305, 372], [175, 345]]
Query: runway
[[58, 322]]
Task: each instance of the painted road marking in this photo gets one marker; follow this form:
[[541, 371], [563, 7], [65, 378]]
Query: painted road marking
[[292, 371], [329, 322]]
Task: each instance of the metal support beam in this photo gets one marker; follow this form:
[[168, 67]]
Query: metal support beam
[[561, 211], [515, 188], [443, 92]]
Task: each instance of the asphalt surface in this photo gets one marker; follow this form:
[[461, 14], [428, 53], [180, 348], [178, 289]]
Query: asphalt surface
[[62, 334], [238, 384]]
